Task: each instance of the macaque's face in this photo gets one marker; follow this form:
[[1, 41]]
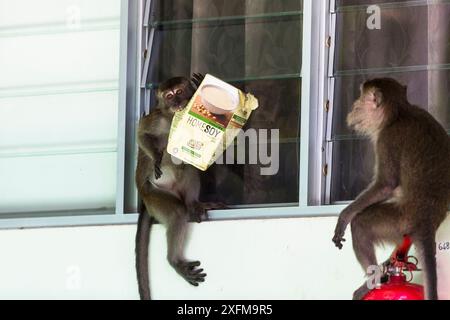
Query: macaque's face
[[177, 97], [366, 116]]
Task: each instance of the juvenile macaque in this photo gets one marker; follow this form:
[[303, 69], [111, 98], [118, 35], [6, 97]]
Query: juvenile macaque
[[170, 192], [410, 191]]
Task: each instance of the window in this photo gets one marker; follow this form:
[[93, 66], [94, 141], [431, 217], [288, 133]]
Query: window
[[254, 45], [59, 107], [77, 75], [411, 44]]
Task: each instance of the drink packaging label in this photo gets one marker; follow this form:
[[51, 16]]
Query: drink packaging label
[[202, 131]]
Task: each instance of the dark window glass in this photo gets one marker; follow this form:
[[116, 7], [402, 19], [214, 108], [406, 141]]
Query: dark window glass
[[412, 46], [255, 45]]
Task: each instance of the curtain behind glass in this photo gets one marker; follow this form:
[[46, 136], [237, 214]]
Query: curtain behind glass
[[412, 46]]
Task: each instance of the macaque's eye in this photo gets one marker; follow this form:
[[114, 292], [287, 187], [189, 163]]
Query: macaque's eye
[[179, 92], [169, 96]]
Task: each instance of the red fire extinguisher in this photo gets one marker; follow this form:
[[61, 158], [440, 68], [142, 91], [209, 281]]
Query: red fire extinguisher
[[398, 286]]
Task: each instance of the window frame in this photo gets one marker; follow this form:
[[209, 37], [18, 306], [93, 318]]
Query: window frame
[[318, 26], [314, 75], [327, 157], [129, 10]]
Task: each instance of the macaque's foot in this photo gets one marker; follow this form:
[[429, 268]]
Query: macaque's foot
[[339, 234], [361, 292], [190, 272]]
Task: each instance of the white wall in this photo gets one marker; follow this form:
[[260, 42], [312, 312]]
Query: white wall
[[261, 259]]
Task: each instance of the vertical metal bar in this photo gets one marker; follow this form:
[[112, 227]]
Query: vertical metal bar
[[130, 111], [332, 28], [121, 137], [136, 97], [332, 6], [148, 31], [318, 98], [143, 36], [331, 86], [307, 97], [147, 99], [329, 144], [323, 96], [146, 65], [147, 13], [149, 39], [142, 32]]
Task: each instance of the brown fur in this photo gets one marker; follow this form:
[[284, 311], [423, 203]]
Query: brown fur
[[169, 192], [412, 157]]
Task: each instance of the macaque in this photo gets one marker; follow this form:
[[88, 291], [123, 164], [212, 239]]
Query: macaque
[[410, 191], [170, 192]]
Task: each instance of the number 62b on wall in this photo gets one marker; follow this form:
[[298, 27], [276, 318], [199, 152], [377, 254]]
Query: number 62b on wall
[[444, 246]]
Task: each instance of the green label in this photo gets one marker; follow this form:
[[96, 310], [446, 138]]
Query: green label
[[192, 153], [239, 119]]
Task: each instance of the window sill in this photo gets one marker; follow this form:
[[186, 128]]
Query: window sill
[[72, 221], [124, 219], [277, 213]]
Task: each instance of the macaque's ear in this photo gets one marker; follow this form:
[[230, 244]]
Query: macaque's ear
[[378, 97]]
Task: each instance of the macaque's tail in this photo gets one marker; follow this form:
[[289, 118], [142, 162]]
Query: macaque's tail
[[142, 243]]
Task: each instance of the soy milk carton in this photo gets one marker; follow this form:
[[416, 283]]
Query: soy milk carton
[[202, 131]]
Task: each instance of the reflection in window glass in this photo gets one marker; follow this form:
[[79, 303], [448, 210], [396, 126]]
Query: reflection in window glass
[[413, 46], [58, 104], [256, 46]]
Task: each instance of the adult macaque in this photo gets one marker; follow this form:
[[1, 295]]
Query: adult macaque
[[410, 191], [169, 192]]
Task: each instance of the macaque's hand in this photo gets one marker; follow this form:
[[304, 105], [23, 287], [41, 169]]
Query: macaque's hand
[[199, 210], [214, 205], [197, 79], [339, 232], [158, 172]]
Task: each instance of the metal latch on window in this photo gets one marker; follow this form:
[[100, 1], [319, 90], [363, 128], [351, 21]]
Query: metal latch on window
[[325, 170]]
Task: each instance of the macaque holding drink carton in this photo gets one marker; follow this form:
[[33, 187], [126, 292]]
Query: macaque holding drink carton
[[202, 131]]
